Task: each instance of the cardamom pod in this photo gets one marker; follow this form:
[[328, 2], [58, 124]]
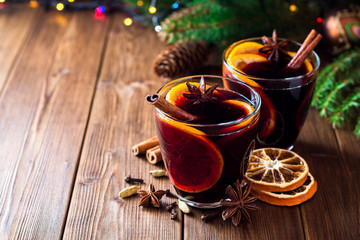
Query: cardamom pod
[[158, 173], [184, 207], [129, 191]]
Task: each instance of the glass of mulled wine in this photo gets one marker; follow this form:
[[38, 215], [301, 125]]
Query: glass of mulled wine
[[204, 156], [285, 92]]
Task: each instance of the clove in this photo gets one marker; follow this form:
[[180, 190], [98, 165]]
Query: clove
[[211, 216], [170, 194], [173, 215], [170, 206], [131, 180]]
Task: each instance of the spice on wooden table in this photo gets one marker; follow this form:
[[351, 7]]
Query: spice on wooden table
[[129, 191], [153, 155], [158, 173], [183, 207], [170, 206], [211, 216], [239, 203], [132, 180], [141, 147], [174, 214], [170, 194], [151, 197]]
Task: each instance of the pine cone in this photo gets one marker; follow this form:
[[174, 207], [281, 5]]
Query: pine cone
[[181, 59]]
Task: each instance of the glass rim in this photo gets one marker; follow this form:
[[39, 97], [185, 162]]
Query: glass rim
[[316, 67], [222, 124]]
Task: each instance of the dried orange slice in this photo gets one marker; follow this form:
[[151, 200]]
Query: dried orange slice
[[276, 170], [193, 162], [289, 198]]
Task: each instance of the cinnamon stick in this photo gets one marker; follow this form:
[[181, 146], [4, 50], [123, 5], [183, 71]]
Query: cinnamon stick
[[145, 145], [161, 103], [306, 48], [153, 155]]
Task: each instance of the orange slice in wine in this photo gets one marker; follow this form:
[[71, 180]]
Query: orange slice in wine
[[246, 107], [289, 198], [276, 170], [267, 116], [194, 163]]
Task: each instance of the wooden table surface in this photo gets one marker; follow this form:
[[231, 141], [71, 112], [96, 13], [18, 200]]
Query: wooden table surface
[[72, 91]]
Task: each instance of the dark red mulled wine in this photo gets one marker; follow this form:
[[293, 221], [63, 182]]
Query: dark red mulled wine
[[285, 92], [204, 157]]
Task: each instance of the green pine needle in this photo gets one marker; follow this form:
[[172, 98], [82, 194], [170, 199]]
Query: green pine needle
[[337, 94], [338, 90], [357, 128], [331, 74], [349, 107], [220, 21]]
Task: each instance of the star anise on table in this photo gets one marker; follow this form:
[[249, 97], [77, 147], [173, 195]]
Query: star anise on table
[[151, 197], [200, 94], [239, 203], [273, 48]]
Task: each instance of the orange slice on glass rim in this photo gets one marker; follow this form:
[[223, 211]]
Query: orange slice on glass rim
[[177, 92], [175, 95], [289, 198], [195, 163], [276, 170], [246, 47], [239, 61]]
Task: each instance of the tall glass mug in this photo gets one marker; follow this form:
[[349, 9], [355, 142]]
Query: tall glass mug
[[285, 100], [203, 158]]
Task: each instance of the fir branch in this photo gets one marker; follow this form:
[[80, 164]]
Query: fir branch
[[320, 81], [216, 21], [337, 91], [194, 22], [347, 110], [337, 95], [357, 128], [328, 77]]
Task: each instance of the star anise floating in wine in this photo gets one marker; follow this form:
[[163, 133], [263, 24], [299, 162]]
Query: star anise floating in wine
[[273, 48], [151, 197], [200, 94], [239, 203]]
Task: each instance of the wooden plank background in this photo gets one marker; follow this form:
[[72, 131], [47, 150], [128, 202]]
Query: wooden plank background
[[72, 91], [15, 29], [119, 118], [335, 199], [44, 108]]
